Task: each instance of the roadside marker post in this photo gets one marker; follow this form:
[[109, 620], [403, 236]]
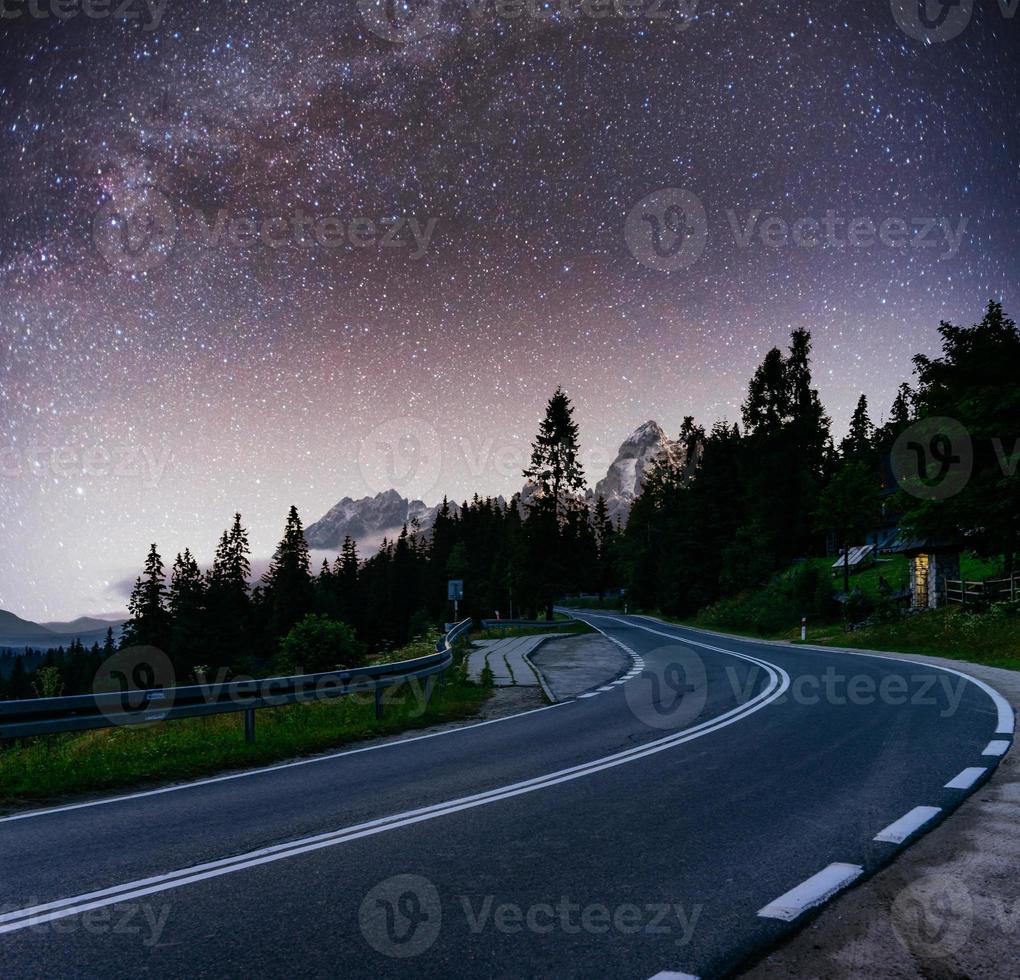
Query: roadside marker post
[[803, 628]]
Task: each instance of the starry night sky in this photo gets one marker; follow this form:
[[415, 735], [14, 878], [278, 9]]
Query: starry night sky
[[147, 399]]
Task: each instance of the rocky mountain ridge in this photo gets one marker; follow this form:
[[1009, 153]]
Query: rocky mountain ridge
[[369, 519]]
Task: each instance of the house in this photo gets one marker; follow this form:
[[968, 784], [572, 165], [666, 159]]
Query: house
[[932, 561]]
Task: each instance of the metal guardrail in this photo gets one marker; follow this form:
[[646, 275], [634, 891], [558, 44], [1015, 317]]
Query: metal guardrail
[[86, 712]]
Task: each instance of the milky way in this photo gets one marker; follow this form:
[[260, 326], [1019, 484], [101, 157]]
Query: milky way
[[248, 354]]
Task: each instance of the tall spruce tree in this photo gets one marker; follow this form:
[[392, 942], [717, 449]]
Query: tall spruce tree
[[288, 590], [186, 603], [859, 443], [149, 623], [555, 457]]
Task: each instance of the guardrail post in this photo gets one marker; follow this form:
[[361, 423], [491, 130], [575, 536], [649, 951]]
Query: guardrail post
[[378, 702], [249, 725]]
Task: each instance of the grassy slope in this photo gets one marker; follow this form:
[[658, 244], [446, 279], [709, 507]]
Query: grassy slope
[[58, 765], [991, 638]]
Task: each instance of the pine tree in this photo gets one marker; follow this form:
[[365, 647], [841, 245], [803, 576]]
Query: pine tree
[[767, 407], [149, 624], [555, 464], [900, 414], [858, 443], [809, 422], [186, 603], [289, 592]]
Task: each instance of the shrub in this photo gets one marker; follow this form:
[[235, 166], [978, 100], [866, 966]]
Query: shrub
[[318, 644]]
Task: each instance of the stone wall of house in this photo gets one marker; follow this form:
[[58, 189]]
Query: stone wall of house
[[942, 567]]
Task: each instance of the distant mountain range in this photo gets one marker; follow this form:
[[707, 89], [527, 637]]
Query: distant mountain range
[[370, 519], [17, 633]]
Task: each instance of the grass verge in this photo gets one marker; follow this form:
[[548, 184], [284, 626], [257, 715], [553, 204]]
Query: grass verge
[[54, 767], [506, 633]]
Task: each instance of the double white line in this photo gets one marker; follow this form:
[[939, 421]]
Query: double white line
[[778, 682]]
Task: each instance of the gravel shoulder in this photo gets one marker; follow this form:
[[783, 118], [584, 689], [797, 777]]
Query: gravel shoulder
[[573, 665]]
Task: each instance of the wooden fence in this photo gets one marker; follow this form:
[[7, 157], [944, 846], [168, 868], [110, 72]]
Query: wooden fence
[[992, 590]]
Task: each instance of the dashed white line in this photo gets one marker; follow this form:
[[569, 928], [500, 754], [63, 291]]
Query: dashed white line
[[668, 975], [996, 747], [900, 830], [967, 778], [816, 890]]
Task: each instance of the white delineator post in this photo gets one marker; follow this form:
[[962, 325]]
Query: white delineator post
[[803, 628]]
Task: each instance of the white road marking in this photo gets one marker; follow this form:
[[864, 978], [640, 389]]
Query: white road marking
[[898, 832], [779, 682], [967, 778], [808, 894], [274, 768], [668, 975], [996, 747], [127, 797], [1006, 720]]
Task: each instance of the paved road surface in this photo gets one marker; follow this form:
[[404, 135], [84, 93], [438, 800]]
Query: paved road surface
[[641, 830]]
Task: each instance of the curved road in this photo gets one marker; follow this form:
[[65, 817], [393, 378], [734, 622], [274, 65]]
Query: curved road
[[678, 822]]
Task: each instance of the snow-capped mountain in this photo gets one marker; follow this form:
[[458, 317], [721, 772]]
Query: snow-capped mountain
[[370, 519], [626, 476]]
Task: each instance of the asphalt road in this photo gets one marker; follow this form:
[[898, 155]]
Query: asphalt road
[[657, 826]]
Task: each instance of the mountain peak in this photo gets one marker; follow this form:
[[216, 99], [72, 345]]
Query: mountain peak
[[626, 476]]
